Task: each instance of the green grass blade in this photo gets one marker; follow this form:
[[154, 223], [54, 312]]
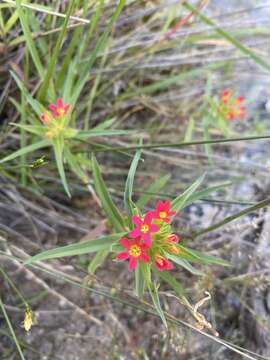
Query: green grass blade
[[259, 205], [100, 45], [180, 201], [84, 247], [105, 198], [244, 49], [84, 134], [11, 330], [36, 106], [129, 206], [204, 193], [183, 144], [29, 41], [56, 52], [26, 150]]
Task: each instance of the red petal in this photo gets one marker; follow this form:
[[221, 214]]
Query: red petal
[[137, 220], [145, 258], [169, 265], [148, 217], [153, 228], [159, 206], [122, 256], [132, 263], [125, 242], [53, 107], [60, 102], [147, 240], [66, 108], [135, 233]]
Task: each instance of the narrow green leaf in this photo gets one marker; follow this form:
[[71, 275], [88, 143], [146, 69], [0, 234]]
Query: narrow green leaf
[[58, 146], [2, 307], [107, 203], [152, 189], [56, 51], [244, 49], [33, 129], [84, 247], [190, 129], [170, 279], [183, 144], [129, 206], [259, 205], [29, 41], [201, 258], [97, 260], [36, 106], [84, 134], [179, 202], [153, 290], [185, 264], [204, 193], [75, 165], [26, 150], [99, 46], [139, 281]]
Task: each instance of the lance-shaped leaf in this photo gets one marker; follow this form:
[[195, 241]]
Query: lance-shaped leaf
[[179, 202], [58, 145], [129, 206], [27, 149], [105, 198], [185, 264], [153, 290], [84, 247]]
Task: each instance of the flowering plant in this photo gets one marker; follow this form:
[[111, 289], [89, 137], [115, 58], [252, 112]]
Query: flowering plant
[[226, 108], [55, 131], [146, 241]]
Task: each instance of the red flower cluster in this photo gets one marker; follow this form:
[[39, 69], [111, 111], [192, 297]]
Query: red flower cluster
[[58, 110], [231, 106], [151, 239]]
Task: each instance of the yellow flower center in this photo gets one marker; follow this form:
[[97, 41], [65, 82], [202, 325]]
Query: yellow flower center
[[60, 111], [162, 214], [144, 228], [135, 251]]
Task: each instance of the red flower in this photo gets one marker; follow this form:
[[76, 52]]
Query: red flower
[[135, 251], [232, 107], [144, 228], [45, 119], [173, 238], [163, 211], [60, 108], [163, 263]]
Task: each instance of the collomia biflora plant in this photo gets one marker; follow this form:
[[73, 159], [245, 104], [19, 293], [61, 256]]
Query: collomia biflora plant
[[54, 130], [145, 240]]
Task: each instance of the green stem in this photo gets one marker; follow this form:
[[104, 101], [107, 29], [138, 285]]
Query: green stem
[[11, 329], [181, 144]]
